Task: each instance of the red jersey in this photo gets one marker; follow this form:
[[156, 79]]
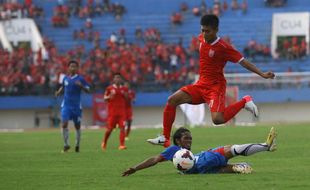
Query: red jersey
[[131, 98], [213, 58], [117, 102]]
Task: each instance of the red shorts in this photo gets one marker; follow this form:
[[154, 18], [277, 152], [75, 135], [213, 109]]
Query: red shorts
[[213, 95], [116, 119], [129, 113]]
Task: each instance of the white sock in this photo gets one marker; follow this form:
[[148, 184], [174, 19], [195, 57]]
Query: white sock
[[248, 149], [78, 137], [65, 134]]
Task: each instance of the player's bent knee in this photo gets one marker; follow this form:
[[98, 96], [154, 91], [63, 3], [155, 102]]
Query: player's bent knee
[[172, 100], [218, 121]]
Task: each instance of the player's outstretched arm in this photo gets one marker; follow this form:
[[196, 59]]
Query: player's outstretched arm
[[251, 67], [145, 164]]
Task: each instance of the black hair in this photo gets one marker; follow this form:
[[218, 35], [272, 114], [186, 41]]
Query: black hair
[[178, 134], [114, 74], [210, 20], [73, 62]]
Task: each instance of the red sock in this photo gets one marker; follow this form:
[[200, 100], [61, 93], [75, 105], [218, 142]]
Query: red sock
[[106, 136], [233, 109], [169, 117], [122, 135]]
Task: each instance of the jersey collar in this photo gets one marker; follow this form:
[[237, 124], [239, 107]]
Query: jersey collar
[[115, 86], [74, 76], [215, 41]]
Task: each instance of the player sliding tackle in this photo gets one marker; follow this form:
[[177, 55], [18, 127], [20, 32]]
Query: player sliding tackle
[[211, 86], [211, 161]]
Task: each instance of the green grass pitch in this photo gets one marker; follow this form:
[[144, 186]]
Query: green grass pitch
[[32, 160]]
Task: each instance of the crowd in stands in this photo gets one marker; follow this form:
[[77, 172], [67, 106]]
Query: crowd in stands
[[292, 48], [147, 62], [9, 10], [275, 3], [167, 65], [91, 8], [255, 51], [217, 7], [91, 36]]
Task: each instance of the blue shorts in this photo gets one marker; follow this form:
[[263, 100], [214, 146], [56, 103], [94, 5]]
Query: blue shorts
[[74, 114], [208, 162]]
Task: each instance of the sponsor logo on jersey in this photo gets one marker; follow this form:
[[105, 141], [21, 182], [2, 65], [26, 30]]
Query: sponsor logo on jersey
[[211, 53]]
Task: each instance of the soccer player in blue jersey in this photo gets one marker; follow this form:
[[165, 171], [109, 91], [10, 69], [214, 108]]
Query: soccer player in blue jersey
[[71, 108], [210, 161]]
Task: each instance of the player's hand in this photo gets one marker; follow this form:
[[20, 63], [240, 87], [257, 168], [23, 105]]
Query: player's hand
[[56, 94], [79, 83], [112, 93], [268, 75], [128, 172]]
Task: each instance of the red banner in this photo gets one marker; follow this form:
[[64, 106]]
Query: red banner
[[100, 110]]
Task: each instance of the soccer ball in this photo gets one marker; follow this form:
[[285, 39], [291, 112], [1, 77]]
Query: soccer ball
[[183, 160]]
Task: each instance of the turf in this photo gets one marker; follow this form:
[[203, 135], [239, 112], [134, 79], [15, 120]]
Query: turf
[[32, 160]]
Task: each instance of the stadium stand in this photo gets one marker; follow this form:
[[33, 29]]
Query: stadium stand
[[150, 75]]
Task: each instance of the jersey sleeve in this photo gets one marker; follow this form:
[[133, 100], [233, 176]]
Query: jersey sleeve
[[169, 152], [63, 81], [232, 55]]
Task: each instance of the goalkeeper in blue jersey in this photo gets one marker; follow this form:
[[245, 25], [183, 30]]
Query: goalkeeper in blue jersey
[[71, 108], [210, 161]]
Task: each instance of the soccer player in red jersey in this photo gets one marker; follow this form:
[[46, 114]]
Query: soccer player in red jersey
[[211, 86], [131, 98], [116, 96]]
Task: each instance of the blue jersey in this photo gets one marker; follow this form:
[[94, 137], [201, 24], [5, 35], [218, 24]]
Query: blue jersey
[[205, 161], [72, 92]]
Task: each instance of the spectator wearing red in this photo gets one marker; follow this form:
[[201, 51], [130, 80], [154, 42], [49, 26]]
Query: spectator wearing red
[[234, 5], [184, 7], [244, 7], [88, 23], [196, 11], [225, 5], [176, 18]]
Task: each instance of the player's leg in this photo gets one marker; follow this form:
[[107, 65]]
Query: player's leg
[[111, 125], [215, 97], [250, 106], [128, 121], [65, 117], [179, 97], [230, 151], [77, 125], [250, 149], [224, 152], [128, 127], [216, 100], [65, 135], [122, 133], [246, 102], [228, 113]]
